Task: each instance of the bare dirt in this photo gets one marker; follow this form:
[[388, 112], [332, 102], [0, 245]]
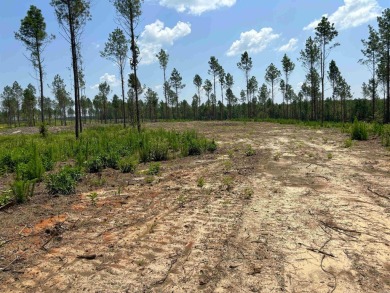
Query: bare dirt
[[302, 214]]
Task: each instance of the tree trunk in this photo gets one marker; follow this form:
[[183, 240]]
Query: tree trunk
[[75, 67], [134, 65], [123, 97]]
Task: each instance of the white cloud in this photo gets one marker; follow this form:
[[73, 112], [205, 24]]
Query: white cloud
[[290, 46], [252, 41], [352, 14], [110, 79], [156, 35], [196, 7]]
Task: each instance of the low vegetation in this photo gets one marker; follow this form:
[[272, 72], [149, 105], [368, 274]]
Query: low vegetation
[[32, 158]]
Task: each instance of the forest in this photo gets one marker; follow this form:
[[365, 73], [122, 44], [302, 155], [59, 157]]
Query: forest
[[138, 102]]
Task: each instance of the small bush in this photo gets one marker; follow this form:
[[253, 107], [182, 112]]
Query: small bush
[[64, 182], [359, 130], [377, 129], [22, 190], [159, 150], [386, 136], [154, 169], [111, 160], [95, 165], [211, 146], [200, 182], [128, 164], [194, 148]]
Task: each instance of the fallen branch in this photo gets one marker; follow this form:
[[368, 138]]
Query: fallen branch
[[10, 264], [162, 281], [320, 251], [87, 256], [317, 250], [339, 228], [6, 206], [376, 193]]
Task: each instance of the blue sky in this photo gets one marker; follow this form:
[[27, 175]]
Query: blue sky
[[191, 33]]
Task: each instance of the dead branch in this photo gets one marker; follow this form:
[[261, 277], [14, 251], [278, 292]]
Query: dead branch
[[10, 264], [87, 256], [376, 193]]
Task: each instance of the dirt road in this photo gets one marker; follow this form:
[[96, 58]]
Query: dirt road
[[282, 209]]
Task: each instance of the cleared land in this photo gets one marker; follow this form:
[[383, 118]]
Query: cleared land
[[294, 212]]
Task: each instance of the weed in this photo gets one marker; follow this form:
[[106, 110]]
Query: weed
[[154, 169], [200, 182], [250, 151], [330, 156], [98, 182], [231, 154], [248, 193], [181, 200], [93, 196], [227, 182], [140, 262], [277, 156], [149, 179], [227, 164], [348, 143]]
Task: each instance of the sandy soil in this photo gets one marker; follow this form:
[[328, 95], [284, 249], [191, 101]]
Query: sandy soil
[[303, 214]]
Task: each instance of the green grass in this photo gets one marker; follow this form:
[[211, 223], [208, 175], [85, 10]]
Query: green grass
[[30, 157]]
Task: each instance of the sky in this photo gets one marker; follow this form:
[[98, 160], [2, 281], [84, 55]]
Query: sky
[[191, 32]]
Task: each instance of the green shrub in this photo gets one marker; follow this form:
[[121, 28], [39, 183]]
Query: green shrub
[[159, 150], [22, 190], [211, 146], [386, 136], [359, 130], [5, 197], [250, 151], [64, 182], [111, 160], [194, 148], [7, 163], [377, 129], [128, 164], [154, 169], [95, 165]]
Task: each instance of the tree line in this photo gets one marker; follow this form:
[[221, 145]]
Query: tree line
[[255, 101]]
